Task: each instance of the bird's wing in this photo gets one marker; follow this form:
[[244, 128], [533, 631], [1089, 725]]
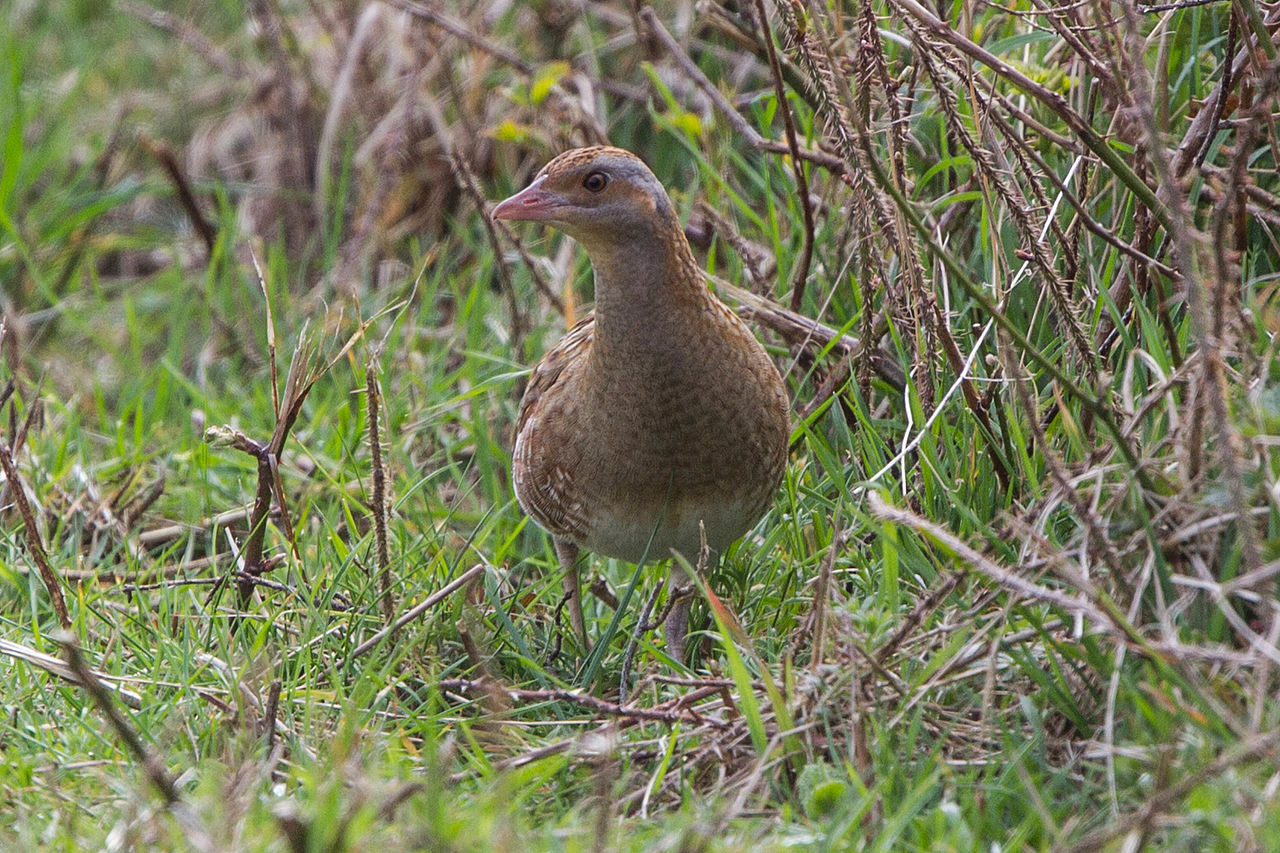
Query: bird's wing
[[545, 489], [572, 346]]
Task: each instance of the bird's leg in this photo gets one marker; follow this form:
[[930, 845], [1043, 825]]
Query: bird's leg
[[676, 624], [569, 556]]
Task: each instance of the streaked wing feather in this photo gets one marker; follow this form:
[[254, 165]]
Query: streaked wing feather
[[577, 340], [546, 491]]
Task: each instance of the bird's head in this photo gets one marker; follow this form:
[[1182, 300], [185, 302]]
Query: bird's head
[[599, 196]]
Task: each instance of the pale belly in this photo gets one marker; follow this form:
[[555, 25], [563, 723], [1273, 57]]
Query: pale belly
[[654, 535]]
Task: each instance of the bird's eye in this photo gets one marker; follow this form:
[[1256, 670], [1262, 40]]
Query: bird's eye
[[596, 181]]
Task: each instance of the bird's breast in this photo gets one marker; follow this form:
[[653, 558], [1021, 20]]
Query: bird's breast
[[653, 436]]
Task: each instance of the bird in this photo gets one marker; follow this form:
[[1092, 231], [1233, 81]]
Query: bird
[[658, 416]]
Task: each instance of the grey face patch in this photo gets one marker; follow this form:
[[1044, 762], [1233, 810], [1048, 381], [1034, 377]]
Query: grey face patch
[[635, 172], [614, 162], [597, 216]]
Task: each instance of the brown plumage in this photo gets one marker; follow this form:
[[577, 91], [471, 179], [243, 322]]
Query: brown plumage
[[658, 412]]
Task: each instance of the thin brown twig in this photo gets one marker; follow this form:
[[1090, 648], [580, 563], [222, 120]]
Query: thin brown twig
[[416, 611], [186, 197], [799, 330], [1165, 799], [736, 120], [464, 178], [1151, 8], [11, 385], [592, 703], [189, 35], [1097, 612], [624, 674], [801, 275], [301, 378], [1050, 99], [238, 575], [32, 534], [1221, 93], [252, 561], [822, 589], [608, 728], [462, 32], [151, 763], [267, 725], [1199, 131], [1203, 296]]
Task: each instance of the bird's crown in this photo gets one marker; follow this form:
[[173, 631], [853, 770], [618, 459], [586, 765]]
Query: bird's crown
[[577, 158]]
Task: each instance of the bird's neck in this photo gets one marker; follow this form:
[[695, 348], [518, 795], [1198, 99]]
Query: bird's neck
[[648, 286]]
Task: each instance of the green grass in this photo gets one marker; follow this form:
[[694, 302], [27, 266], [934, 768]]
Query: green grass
[[918, 677]]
